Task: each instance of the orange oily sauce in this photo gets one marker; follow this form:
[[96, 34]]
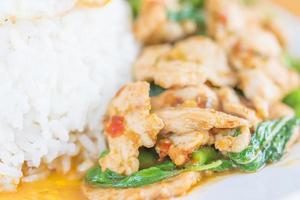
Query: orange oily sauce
[[60, 187], [55, 187]]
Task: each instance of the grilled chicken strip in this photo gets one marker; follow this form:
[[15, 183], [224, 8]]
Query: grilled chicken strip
[[128, 126]]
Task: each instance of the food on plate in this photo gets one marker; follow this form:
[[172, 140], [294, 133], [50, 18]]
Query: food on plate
[[141, 99], [199, 104], [60, 65]]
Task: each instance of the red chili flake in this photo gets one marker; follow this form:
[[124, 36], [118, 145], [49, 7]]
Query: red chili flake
[[164, 147], [116, 126], [223, 18]]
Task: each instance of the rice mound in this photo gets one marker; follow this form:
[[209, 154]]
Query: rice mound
[[57, 76]]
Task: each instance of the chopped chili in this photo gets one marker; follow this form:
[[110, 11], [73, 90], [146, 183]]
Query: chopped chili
[[116, 126]]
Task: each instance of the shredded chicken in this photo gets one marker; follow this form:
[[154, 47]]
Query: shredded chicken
[[128, 126], [201, 95]]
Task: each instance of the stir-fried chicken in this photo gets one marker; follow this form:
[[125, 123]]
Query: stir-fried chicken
[[251, 52], [213, 58], [179, 146], [153, 25], [231, 104], [186, 120], [145, 66], [163, 190], [280, 110], [177, 73], [188, 128], [289, 78], [129, 125], [260, 89], [201, 105], [185, 64], [202, 95], [233, 143], [226, 20]]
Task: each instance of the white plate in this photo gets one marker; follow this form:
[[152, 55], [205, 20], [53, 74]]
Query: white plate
[[280, 181]]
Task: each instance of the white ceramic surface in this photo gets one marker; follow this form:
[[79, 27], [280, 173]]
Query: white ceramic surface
[[280, 181]]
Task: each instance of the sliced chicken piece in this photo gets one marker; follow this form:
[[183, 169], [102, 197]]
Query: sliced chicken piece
[[252, 52], [201, 95], [204, 51], [280, 110], [179, 146], [276, 26], [170, 74], [231, 104], [268, 18], [260, 89], [166, 189], [153, 25], [289, 78], [190, 62], [186, 120], [229, 143], [128, 126], [226, 20], [144, 67]]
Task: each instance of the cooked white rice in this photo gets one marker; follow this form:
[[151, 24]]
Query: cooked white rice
[[57, 74]]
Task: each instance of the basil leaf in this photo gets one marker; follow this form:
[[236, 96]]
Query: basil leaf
[[267, 144], [154, 174]]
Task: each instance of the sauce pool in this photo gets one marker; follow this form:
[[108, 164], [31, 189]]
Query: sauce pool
[[55, 187]]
